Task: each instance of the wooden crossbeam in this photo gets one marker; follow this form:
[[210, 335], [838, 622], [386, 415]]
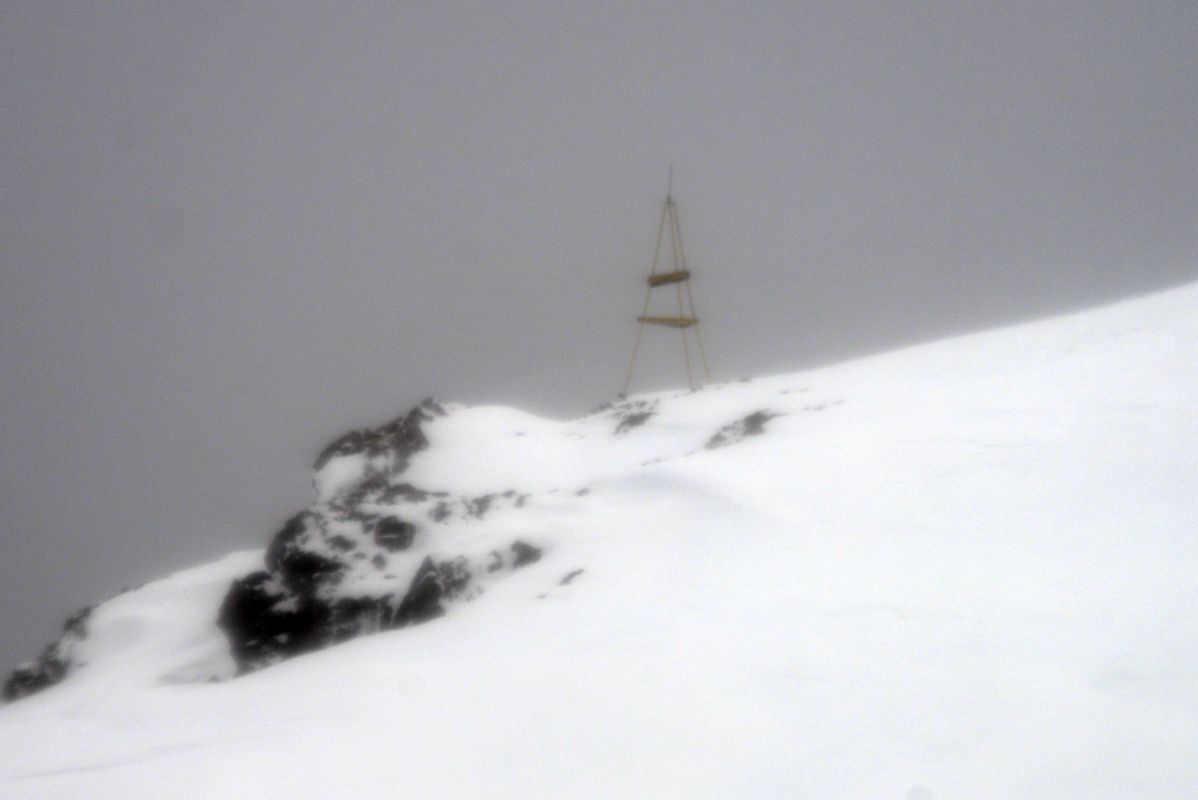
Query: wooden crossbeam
[[666, 278], [670, 322]]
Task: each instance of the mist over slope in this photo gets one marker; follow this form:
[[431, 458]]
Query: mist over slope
[[964, 569]]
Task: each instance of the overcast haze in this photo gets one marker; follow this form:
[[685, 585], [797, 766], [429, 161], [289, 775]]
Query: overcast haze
[[228, 234]]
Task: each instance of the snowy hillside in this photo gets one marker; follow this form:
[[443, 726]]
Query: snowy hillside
[[962, 570]]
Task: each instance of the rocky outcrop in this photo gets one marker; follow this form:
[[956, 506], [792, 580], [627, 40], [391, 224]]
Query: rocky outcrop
[[375, 552], [364, 461], [398, 439]]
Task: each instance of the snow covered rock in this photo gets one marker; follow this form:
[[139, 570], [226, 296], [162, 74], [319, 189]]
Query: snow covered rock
[[363, 458], [374, 552]]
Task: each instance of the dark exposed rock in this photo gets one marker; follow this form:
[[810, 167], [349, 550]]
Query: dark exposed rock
[[479, 506], [305, 573], [733, 432], [423, 600], [34, 676], [474, 507], [289, 537], [377, 488], [570, 576], [52, 665], [265, 623], [269, 616], [393, 534], [353, 616], [631, 421], [370, 487], [440, 512], [524, 554], [402, 436], [302, 568], [631, 414], [455, 576], [407, 492], [340, 543]]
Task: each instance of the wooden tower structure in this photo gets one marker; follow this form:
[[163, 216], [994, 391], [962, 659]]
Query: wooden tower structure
[[664, 274]]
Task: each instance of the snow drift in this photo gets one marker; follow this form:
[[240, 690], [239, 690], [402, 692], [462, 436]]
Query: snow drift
[[959, 570]]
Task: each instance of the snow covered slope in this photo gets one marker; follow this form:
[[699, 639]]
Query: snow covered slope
[[963, 570]]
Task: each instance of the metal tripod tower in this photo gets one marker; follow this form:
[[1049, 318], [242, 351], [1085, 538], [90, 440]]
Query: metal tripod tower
[[666, 273]]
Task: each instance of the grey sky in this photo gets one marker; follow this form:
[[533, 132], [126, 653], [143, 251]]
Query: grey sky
[[229, 233]]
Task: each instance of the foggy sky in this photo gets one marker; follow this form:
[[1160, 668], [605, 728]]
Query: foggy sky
[[228, 234]]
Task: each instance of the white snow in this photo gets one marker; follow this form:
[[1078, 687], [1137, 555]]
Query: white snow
[[163, 631], [340, 474], [963, 570]]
